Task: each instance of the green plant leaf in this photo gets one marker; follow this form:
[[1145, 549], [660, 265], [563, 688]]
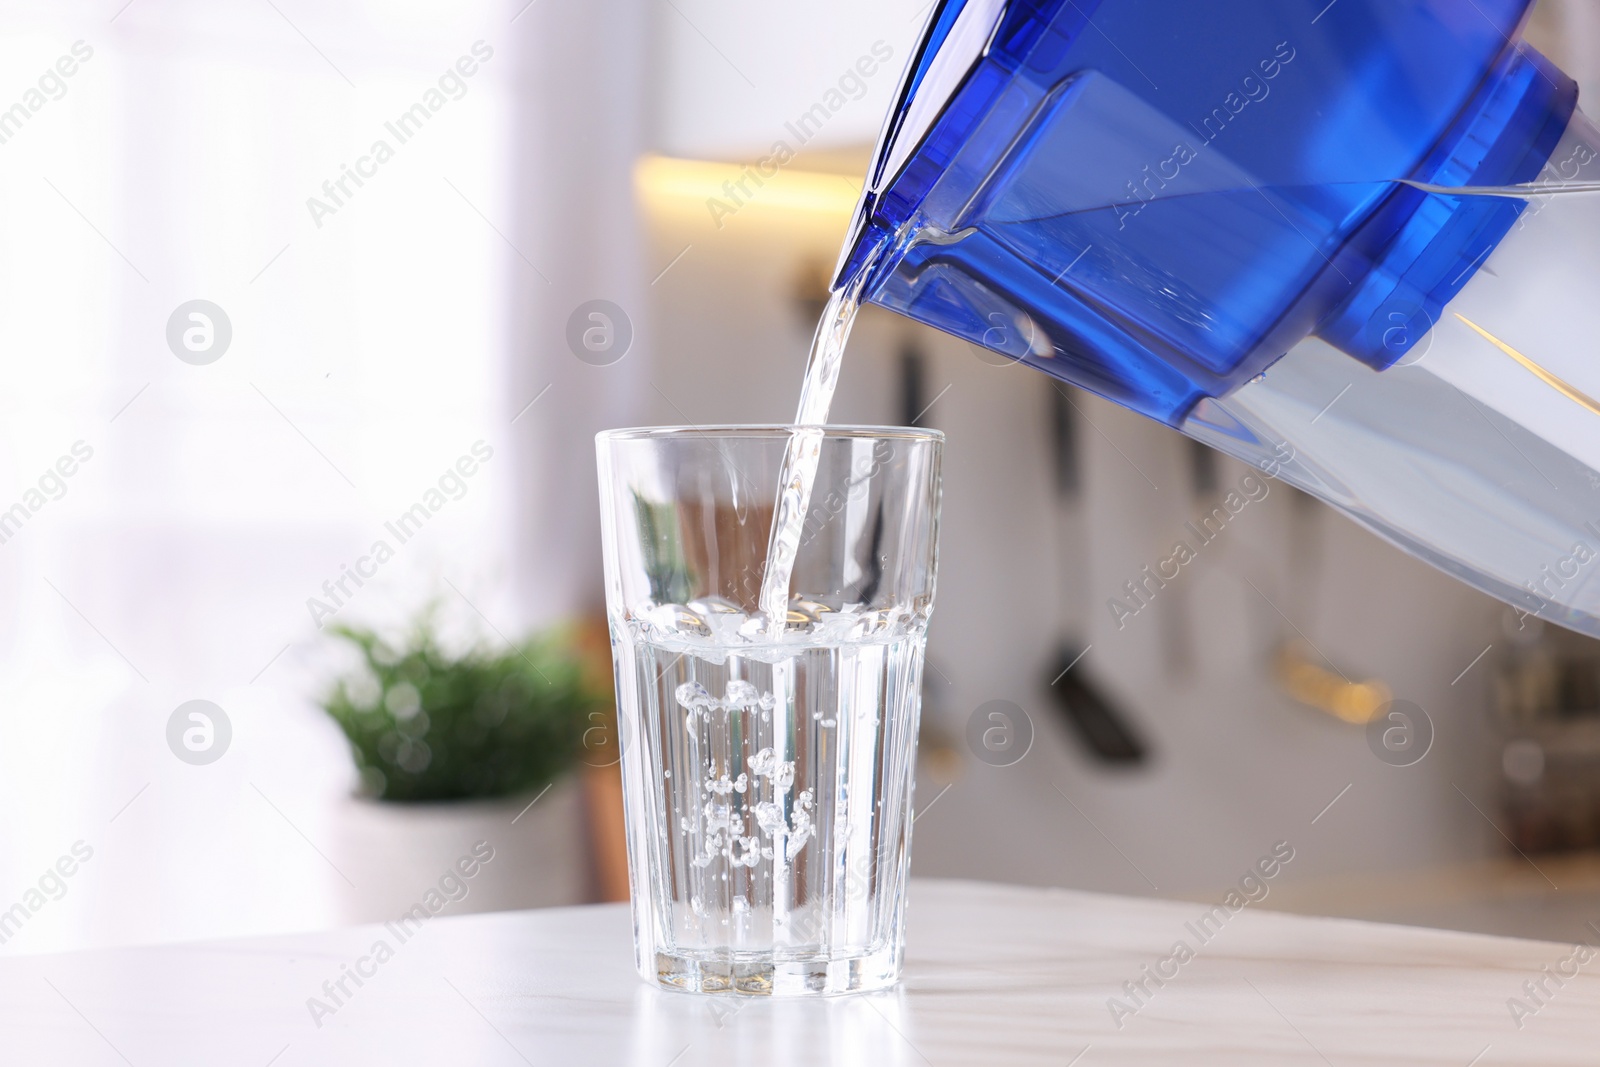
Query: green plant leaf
[[441, 727]]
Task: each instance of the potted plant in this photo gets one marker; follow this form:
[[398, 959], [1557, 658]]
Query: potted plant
[[453, 749], [425, 725]]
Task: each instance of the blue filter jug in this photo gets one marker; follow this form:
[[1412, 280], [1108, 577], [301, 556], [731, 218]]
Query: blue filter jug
[[1353, 243]]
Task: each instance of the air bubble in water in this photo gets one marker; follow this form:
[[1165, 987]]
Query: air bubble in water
[[742, 695], [693, 695], [714, 605]]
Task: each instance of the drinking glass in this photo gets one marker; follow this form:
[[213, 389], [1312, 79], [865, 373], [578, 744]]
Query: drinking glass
[[768, 764]]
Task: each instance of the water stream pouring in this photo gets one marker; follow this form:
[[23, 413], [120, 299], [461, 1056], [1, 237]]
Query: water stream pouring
[[1353, 243]]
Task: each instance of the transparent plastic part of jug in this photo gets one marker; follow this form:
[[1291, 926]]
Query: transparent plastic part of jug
[[1479, 449], [1354, 245]]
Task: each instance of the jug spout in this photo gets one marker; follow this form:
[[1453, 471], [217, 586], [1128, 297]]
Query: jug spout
[[1303, 233]]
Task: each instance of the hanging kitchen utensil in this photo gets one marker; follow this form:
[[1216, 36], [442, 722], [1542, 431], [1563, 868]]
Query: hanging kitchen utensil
[[1098, 724]]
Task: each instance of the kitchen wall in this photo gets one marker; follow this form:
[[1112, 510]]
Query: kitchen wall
[[731, 74]]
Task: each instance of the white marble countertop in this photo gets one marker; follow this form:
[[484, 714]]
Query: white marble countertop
[[996, 975]]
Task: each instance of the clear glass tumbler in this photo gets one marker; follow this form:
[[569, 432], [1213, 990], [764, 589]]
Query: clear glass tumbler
[[768, 771]]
